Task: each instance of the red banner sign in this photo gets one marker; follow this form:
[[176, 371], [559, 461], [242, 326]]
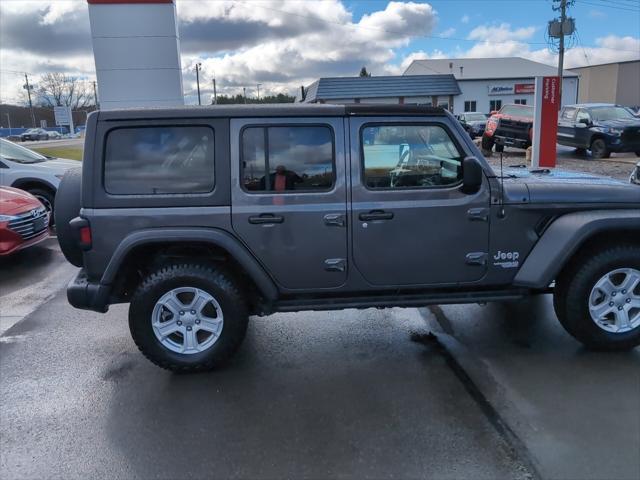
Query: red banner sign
[[524, 88], [545, 126]]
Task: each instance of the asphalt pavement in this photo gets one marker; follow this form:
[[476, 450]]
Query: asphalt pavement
[[500, 392]]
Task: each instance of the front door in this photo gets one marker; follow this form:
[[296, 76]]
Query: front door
[[289, 198], [566, 126], [412, 224]]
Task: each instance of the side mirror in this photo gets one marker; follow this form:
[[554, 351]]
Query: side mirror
[[585, 121], [471, 175]]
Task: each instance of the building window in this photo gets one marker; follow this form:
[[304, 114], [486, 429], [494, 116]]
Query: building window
[[495, 105], [521, 101], [470, 106], [409, 156], [159, 160], [282, 159]]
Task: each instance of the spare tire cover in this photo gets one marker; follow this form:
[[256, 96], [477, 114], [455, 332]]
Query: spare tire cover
[[68, 208]]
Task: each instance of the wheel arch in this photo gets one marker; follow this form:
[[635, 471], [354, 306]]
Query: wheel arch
[[569, 236], [25, 183], [142, 248]]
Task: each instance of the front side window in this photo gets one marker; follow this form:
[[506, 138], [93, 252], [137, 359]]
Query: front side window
[[287, 158], [568, 113], [159, 160], [583, 115], [409, 156], [16, 153]]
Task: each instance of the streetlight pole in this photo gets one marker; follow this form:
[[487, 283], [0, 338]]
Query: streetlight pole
[[198, 65], [563, 17], [244, 94], [215, 93], [259, 92], [9, 122], [28, 88]]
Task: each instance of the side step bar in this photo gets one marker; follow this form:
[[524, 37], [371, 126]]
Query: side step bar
[[402, 300]]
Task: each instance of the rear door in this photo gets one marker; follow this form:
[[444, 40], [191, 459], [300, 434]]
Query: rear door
[[289, 198], [566, 126], [411, 222]]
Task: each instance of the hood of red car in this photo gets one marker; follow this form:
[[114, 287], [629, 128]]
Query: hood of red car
[[14, 201]]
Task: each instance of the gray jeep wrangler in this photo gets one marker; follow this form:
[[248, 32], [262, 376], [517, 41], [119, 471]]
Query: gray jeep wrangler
[[200, 217]]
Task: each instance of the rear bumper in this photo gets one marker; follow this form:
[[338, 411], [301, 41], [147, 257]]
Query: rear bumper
[[86, 295]]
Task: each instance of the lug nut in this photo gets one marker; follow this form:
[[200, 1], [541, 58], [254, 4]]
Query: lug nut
[[189, 328], [628, 300], [193, 312], [198, 321], [179, 322], [624, 291], [181, 312], [611, 304], [613, 294], [620, 307]]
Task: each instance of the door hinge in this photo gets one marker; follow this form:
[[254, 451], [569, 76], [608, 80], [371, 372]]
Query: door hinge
[[335, 264], [478, 214], [334, 220], [476, 258]]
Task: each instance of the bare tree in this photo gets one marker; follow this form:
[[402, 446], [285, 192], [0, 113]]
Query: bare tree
[[58, 89]]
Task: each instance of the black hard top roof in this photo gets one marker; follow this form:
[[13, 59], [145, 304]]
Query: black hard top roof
[[270, 110]]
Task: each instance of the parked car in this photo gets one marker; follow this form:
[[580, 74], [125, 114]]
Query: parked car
[[28, 170], [53, 135], [34, 134], [276, 215], [635, 175], [602, 128], [473, 122], [24, 221], [510, 127]]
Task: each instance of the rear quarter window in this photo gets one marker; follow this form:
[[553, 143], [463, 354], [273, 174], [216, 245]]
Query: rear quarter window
[[159, 160]]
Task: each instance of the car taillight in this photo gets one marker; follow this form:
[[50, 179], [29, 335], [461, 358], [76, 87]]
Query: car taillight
[[85, 237]]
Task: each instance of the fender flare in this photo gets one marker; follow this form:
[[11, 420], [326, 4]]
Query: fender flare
[[563, 238], [216, 237]]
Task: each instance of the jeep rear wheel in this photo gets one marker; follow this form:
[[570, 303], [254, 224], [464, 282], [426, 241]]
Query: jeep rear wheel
[[599, 149], [598, 300], [188, 318]]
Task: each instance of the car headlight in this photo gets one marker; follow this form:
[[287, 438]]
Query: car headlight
[[8, 218]]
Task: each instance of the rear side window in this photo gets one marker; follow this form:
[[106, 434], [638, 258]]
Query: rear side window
[[287, 158], [159, 160], [409, 156]]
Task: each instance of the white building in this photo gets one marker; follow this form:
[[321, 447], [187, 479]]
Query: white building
[[488, 83]]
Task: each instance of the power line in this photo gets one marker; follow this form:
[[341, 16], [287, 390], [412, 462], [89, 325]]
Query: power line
[[609, 5]]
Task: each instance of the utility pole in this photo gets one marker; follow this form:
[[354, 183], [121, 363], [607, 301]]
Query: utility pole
[[198, 65], [9, 121], [95, 95], [259, 92], [28, 88], [563, 17], [215, 93], [244, 94]]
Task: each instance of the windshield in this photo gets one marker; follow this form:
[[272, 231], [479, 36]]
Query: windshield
[[517, 111], [16, 153], [611, 113], [474, 117]]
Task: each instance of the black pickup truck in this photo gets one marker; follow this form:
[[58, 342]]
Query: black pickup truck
[[509, 127]]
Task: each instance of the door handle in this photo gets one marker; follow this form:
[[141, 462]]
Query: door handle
[[334, 220], [375, 215], [266, 219]]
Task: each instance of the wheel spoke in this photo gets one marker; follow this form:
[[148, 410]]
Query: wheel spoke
[[601, 310], [210, 324], [190, 340], [167, 328], [200, 299], [173, 304], [606, 286], [622, 318], [630, 282]]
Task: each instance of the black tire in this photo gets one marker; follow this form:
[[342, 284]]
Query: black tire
[[599, 149], [499, 148], [573, 288], [487, 145], [67, 202], [47, 198], [212, 280], [581, 151], [637, 153]]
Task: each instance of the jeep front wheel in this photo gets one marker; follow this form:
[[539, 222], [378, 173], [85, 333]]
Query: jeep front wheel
[[599, 299], [188, 317]]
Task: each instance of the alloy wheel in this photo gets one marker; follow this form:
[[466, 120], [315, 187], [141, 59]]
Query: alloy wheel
[[614, 302]]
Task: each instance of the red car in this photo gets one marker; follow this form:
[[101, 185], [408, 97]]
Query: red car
[[23, 220], [510, 127]]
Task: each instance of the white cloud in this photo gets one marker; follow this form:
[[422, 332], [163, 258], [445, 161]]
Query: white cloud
[[465, 19], [593, 13], [449, 32], [500, 33]]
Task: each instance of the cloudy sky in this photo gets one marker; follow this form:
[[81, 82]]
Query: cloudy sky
[[283, 44]]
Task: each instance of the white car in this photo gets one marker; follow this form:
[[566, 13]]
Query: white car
[[28, 170]]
